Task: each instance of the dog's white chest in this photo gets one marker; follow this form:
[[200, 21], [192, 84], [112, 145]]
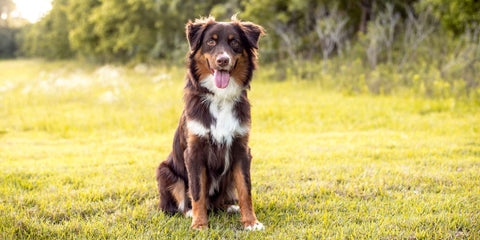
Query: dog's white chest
[[226, 125]]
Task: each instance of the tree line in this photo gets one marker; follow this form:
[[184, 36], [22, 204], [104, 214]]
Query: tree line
[[118, 30], [365, 39]]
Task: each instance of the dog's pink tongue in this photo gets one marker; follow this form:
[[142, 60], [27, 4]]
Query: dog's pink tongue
[[221, 78]]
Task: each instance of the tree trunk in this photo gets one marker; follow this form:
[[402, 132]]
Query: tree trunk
[[366, 6]]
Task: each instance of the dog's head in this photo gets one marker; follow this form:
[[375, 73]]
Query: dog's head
[[226, 50]]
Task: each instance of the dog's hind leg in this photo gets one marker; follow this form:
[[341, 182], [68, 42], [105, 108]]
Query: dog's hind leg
[[169, 188], [179, 193]]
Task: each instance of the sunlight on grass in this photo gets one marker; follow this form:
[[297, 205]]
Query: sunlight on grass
[[79, 145]]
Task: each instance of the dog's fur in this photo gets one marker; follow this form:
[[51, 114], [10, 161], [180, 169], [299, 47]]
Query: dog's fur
[[211, 158]]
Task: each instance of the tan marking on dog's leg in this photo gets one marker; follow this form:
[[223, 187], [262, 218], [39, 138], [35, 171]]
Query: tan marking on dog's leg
[[178, 192], [248, 218], [199, 208]]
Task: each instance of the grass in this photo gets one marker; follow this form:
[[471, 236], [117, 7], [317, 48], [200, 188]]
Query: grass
[[79, 145]]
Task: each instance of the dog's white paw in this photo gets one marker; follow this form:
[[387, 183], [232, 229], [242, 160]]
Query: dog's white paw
[[233, 209], [258, 226], [189, 213]]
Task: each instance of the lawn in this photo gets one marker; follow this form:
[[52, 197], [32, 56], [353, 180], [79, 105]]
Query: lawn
[[79, 145]]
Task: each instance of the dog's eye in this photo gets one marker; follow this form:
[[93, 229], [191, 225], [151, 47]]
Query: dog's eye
[[234, 43], [211, 42]]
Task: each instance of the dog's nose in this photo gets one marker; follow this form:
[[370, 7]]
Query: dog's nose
[[222, 61]]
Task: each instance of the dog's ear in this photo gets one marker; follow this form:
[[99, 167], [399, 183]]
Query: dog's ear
[[193, 34], [252, 32], [194, 31]]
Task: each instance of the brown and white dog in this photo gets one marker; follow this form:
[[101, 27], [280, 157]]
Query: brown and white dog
[[211, 158]]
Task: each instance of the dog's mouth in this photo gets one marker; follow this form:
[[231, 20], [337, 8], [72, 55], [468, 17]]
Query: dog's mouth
[[221, 76]]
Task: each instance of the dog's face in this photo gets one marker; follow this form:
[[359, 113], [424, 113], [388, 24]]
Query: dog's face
[[226, 50]]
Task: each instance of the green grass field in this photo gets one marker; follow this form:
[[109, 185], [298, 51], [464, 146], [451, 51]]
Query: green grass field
[[79, 145]]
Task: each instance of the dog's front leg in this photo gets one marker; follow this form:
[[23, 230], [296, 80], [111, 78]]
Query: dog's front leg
[[241, 176], [197, 177]]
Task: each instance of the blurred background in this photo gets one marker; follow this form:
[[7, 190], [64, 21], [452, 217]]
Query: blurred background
[[429, 47]]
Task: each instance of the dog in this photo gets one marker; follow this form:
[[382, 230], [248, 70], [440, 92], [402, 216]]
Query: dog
[[209, 166]]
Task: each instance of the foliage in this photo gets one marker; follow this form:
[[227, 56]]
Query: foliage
[[291, 25], [8, 44], [8, 30], [49, 37], [120, 31], [79, 145], [113, 30], [455, 15], [383, 38], [81, 35], [386, 58]]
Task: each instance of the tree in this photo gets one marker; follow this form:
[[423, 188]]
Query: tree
[[455, 15], [81, 35], [8, 45], [330, 28], [294, 26], [125, 29], [49, 37], [8, 29]]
